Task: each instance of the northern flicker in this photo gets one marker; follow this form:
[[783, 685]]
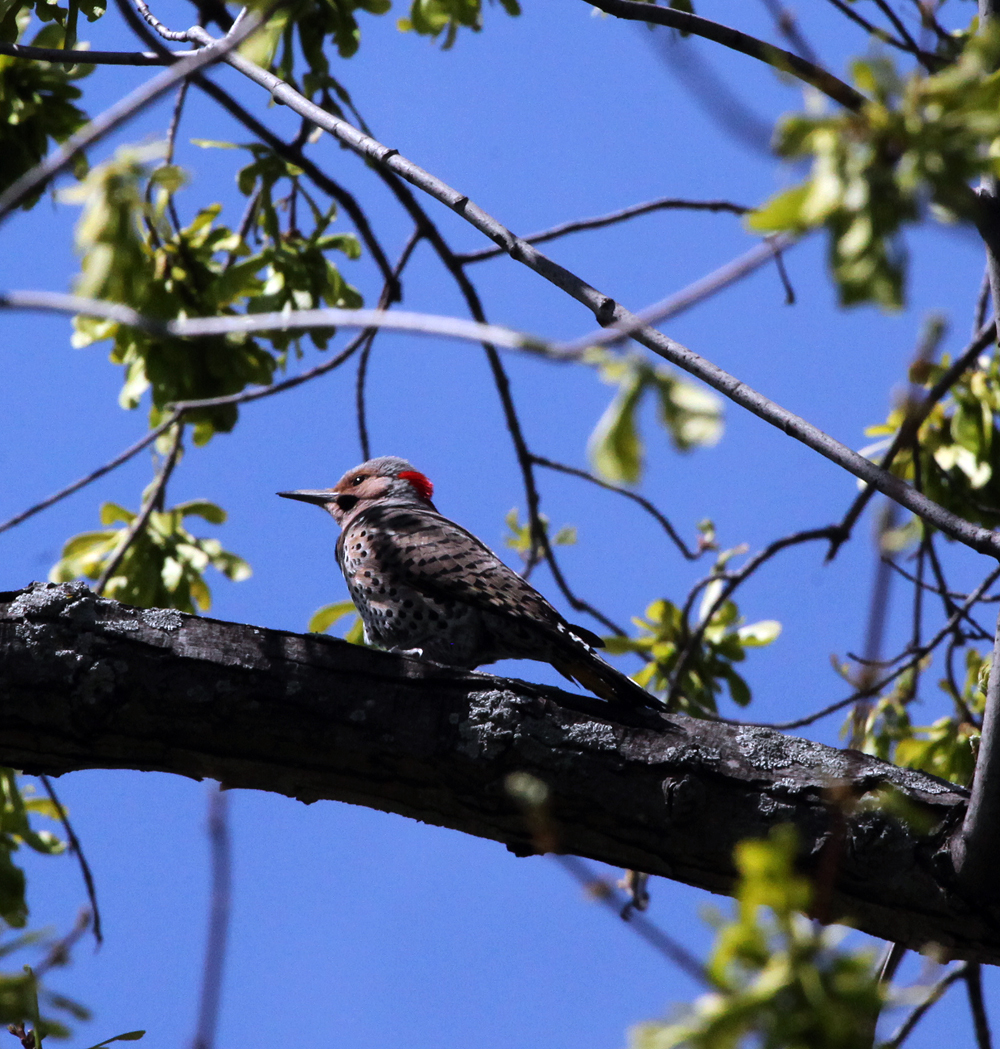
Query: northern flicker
[[425, 586]]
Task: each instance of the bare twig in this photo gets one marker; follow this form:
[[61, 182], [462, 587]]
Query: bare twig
[[873, 30], [325, 319], [982, 304], [139, 522], [58, 953], [981, 1023], [732, 581], [773, 56], [599, 890], [157, 25], [112, 464], [663, 204], [675, 304], [97, 58], [549, 464], [914, 659], [218, 920], [899, 26], [77, 849], [279, 387], [175, 121], [391, 287], [933, 997], [878, 611], [787, 24]]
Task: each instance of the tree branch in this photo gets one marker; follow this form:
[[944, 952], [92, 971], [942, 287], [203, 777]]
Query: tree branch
[[96, 58], [600, 221], [90, 683], [609, 312], [778, 58]]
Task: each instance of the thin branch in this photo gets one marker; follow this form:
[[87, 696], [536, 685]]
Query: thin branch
[[113, 464], [878, 610], [549, 464], [58, 953], [175, 121], [139, 523], [609, 312], [599, 890], [982, 303], [96, 58], [218, 920], [930, 589], [157, 25], [40, 175], [787, 24], [732, 581], [77, 850], [915, 658], [328, 318], [279, 387], [898, 25], [565, 228], [869, 27], [981, 1023], [391, 286], [933, 997], [675, 304], [776, 57]]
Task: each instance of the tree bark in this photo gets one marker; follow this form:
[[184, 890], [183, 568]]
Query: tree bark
[[90, 683]]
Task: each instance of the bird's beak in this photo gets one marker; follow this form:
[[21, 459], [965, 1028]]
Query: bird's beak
[[321, 496]]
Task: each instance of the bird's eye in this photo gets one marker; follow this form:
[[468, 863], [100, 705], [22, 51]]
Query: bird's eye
[[355, 481]]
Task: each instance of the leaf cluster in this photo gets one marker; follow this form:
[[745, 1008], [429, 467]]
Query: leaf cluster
[[916, 144], [37, 108], [945, 748], [779, 980], [164, 564], [666, 636], [133, 253], [955, 456], [20, 991], [520, 538]]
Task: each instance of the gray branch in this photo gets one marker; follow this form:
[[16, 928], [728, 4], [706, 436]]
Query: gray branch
[[90, 683]]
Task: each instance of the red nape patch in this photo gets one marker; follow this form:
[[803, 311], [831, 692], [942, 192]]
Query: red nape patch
[[423, 485]]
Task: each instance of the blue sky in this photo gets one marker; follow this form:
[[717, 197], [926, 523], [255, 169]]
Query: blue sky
[[353, 927]]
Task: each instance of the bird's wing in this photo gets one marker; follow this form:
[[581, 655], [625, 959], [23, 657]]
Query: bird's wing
[[441, 559]]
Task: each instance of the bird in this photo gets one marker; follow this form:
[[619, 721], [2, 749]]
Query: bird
[[425, 586]]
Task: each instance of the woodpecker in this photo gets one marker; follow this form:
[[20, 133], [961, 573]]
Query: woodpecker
[[425, 586]]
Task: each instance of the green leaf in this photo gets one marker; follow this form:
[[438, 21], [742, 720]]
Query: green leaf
[[784, 212], [324, 618], [615, 449]]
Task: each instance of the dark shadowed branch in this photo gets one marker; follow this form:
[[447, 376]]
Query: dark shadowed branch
[[313, 717]]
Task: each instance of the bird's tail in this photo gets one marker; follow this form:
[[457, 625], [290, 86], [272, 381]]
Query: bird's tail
[[589, 670]]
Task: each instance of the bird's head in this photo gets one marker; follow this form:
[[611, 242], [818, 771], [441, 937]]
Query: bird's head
[[386, 481]]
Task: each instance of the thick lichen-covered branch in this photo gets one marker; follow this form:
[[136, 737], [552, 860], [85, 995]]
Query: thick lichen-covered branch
[[90, 683]]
